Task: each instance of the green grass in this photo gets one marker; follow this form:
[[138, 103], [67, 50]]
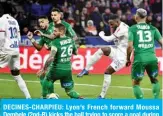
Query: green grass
[[121, 87]]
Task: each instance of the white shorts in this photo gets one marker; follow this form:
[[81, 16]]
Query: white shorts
[[118, 58], [13, 61]]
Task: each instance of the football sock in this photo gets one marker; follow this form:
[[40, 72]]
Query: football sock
[[156, 90], [138, 92], [72, 94], [50, 86], [22, 86], [106, 84], [45, 87], [94, 58]]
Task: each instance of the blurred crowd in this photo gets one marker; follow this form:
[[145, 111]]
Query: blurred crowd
[[87, 17]]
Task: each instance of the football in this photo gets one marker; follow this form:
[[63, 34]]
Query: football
[[52, 96]]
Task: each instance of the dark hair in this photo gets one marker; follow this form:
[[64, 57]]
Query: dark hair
[[60, 26], [113, 17], [55, 10], [43, 17]]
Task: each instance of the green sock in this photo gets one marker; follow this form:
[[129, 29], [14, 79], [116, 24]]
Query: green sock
[[138, 92], [45, 87], [51, 87], [73, 94], [156, 90]]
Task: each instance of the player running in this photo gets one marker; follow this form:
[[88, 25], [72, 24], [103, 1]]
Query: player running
[[60, 69], [9, 49], [141, 38], [117, 53]]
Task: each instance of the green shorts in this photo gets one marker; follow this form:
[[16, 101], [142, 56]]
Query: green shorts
[[65, 77], [138, 69]]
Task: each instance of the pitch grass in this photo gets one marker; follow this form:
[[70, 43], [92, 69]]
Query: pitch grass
[[88, 86]]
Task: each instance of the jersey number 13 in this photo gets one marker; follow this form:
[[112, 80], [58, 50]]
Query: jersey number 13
[[144, 36]]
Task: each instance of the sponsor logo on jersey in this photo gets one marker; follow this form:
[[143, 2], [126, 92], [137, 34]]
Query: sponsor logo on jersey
[[14, 45]]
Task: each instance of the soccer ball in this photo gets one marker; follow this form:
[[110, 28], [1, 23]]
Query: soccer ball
[[52, 96]]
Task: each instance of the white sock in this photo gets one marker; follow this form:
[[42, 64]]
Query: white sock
[[22, 86], [94, 58], [106, 84]]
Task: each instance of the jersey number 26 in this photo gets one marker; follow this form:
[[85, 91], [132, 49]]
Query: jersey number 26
[[66, 51]]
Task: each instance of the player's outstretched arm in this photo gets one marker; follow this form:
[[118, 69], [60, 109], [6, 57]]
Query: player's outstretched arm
[[106, 38], [129, 51], [30, 37], [39, 33]]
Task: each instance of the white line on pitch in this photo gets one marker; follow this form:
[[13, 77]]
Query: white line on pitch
[[89, 85]]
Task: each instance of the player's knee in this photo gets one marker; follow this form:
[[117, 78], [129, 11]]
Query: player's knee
[[153, 80], [136, 82], [106, 51], [109, 70], [153, 75], [15, 72]]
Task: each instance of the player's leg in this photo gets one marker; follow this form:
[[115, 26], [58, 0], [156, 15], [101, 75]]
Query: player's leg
[[152, 71], [137, 75], [47, 83], [94, 58], [14, 65], [68, 84], [114, 66], [51, 86]]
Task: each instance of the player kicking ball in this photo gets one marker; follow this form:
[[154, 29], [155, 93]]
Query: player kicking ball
[[9, 49], [141, 38], [62, 49], [117, 53]]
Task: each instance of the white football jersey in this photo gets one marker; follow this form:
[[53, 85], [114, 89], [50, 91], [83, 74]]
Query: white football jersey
[[9, 28], [121, 34]]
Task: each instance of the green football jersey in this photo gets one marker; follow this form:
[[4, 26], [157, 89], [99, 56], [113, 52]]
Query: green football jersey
[[69, 31], [143, 36], [45, 40], [65, 47]]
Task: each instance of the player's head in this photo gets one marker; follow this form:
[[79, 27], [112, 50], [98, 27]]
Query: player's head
[[114, 21], [141, 15], [55, 15], [43, 22], [8, 11], [59, 30]]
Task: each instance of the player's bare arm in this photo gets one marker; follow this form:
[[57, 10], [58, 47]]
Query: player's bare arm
[[39, 33], [50, 58], [129, 51], [47, 63], [30, 37], [160, 41], [106, 38]]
